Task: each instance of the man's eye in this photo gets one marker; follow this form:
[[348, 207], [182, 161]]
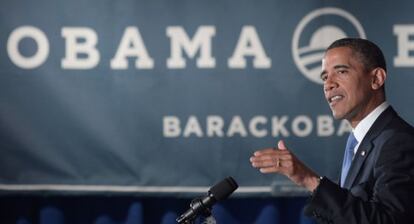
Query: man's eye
[[342, 71]]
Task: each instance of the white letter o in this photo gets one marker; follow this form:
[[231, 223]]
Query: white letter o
[[13, 47]]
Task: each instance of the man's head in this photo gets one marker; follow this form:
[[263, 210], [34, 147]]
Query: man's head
[[369, 54], [354, 72]]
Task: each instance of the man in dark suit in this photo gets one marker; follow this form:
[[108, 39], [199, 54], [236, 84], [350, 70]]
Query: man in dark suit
[[377, 178]]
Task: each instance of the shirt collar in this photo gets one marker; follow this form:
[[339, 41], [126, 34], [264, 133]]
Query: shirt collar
[[365, 124]]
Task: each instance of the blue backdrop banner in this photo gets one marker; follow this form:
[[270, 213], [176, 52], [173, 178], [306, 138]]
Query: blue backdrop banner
[[170, 97]]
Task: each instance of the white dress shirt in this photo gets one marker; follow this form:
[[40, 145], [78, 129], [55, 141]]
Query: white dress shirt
[[365, 124]]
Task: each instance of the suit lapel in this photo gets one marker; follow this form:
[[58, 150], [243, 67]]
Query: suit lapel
[[366, 146], [362, 153]]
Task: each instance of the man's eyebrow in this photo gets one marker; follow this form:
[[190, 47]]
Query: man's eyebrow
[[341, 66]]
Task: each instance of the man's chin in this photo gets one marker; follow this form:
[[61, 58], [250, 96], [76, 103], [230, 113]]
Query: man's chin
[[337, 115]]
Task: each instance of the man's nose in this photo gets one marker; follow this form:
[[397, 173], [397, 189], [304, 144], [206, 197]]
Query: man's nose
[[329, 84]]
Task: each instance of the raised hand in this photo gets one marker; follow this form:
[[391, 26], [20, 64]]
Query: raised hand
[[281, 160]]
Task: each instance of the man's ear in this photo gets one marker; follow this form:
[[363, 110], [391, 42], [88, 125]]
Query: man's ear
[[378, 78]]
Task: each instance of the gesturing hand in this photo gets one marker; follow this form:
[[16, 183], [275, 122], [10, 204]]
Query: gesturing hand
[[284, 162]]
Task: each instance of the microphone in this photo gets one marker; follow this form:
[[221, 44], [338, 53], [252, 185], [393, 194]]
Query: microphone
[[202, 205]]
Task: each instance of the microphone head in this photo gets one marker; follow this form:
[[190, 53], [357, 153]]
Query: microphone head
[[218, 192], [223, 189]]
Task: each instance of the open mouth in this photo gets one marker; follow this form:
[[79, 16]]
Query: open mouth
[[334, 99]]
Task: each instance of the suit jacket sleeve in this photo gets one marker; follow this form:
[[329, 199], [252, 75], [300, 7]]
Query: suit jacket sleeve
[[386, 197]]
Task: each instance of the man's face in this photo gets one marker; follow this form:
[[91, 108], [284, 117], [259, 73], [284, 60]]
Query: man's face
[[347, 86]]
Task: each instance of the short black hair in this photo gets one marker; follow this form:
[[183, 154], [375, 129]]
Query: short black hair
[[370, 54]]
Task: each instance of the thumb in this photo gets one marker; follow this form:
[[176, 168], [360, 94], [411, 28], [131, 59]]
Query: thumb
[[281, 145]]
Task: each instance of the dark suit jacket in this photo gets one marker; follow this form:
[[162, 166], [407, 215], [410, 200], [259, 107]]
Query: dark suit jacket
[[379, 187]]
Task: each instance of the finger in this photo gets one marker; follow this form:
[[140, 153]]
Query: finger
[[264, 151], [264, 163], [281, 145], [286, 156], [270, 152], [272, 157], [263, 157], [273, 170]]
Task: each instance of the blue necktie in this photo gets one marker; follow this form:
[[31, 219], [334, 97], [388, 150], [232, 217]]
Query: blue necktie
[[349, 154]]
